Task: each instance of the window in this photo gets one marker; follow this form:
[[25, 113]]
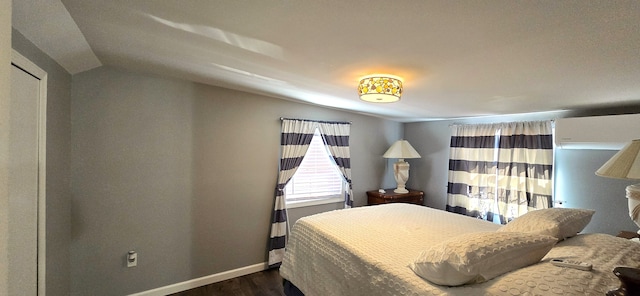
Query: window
[[500, 171], [317, 180]]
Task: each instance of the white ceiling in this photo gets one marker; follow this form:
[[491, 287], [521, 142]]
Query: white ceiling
[[457, 58]]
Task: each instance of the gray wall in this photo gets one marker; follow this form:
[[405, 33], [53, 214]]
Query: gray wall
[[184, 174], [5, 97], [576, 183], [58, 211], [578, 186]]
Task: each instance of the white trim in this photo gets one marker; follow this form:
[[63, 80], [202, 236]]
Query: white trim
[[205, 280], [28, 66], [314, 202]]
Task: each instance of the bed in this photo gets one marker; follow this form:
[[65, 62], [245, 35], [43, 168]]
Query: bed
[[377, 250]]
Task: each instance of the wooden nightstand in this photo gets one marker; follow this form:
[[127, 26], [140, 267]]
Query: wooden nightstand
[[414, 196], [628, 234]]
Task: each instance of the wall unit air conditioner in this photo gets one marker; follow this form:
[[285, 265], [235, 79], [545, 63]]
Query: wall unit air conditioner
[[597, 132]]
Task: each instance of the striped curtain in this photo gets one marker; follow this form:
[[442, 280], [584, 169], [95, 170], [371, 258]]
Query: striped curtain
[[335, 136], [296, 135], [502, 170], [295, 138]]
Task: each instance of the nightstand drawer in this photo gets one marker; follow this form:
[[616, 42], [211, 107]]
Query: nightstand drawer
[[413, 196]]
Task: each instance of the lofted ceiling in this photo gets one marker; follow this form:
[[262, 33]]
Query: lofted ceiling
[[457, 58]]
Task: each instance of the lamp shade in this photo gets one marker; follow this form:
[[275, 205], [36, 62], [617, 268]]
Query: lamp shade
[[380, 89], [401, 149], [625, 164]]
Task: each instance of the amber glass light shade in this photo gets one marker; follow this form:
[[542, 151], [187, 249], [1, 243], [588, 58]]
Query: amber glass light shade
[[380, 89]]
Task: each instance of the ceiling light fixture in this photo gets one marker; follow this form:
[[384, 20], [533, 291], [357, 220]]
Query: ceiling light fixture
[[380, 88]]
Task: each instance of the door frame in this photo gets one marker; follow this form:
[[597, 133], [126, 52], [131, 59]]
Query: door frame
[[25, 64]]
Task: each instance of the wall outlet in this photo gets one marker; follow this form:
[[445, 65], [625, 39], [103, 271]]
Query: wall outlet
[[132, 259]]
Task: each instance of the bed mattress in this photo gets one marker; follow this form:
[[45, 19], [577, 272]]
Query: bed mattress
[[367, 250]]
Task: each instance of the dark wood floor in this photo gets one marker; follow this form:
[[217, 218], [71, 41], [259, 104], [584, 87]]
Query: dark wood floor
[[264, 283]]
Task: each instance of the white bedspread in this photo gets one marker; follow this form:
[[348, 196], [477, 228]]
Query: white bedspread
[[365, 251]]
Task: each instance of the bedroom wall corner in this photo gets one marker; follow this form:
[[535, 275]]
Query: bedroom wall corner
[[429, 173], [183, 173]]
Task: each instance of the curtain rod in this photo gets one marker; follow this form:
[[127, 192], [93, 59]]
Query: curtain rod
[[501, 122], [319, 121]]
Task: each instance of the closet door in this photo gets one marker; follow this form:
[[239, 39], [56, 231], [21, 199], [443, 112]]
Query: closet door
[[25, 180]]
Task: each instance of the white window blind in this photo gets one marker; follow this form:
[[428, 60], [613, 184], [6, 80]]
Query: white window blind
[[317, 177]]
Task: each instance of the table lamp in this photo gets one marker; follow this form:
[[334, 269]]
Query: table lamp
[[626, 165], [401, 149]]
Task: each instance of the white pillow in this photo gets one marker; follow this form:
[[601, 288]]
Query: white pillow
[[558, 222], [478, 257]]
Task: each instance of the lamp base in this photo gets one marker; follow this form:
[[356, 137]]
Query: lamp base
[[401, 190], [401, 174], [633, 197]]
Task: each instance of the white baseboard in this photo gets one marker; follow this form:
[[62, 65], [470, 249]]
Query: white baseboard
[[205, 280]]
